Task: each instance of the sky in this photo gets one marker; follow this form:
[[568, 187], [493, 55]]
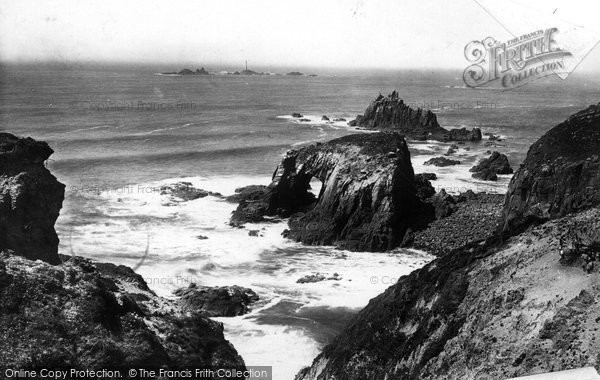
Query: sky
[[354, 34]]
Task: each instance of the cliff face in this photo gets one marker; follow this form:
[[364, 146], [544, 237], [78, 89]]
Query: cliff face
[[368, 195], [30, 199], [81, 314], [90, 315], [392, 113], [496, 309], [561, 173], [493, 312]]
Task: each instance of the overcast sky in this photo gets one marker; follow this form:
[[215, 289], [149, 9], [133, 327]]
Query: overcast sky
[[322, 33]]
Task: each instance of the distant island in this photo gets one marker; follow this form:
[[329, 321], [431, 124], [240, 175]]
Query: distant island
[[298, 73], [200, 71], [246, 71]]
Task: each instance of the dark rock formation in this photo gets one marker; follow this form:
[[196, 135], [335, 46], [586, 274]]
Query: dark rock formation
[[390, 112], [494, 310], [224, 301], [451, 149], [561, 173], [318, 277], [504, 306], [92, 316], [189, 72], [489, 168], [185, 191], [30, 199], [367, 201], [423, 186], [297, 115], [339, 119], [324, 118], [443, 203], [428, 176], [294, 73], [441, 161], [247, 193]]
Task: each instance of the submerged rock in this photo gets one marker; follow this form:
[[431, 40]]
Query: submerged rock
[[30, 199], [367, 200], [560, 175], [391, 113], [223, 301]]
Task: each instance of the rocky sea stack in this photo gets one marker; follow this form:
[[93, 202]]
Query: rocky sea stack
[[30, 199], [391, 113], [502, 307], [367, 201]]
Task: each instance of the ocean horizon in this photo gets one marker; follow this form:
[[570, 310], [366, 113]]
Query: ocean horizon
[[120, 133]]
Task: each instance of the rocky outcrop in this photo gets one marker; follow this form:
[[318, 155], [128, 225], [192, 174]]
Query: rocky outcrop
[[90, 316], [561, 173], [185, 191], [367, 200], [503, 305], [81, 314], [220, 301], [391, 113], [493, 310], [489, 168], [30, 199], [441, 161]]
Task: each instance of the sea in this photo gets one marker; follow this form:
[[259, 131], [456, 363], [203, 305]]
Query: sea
[[120, 132]]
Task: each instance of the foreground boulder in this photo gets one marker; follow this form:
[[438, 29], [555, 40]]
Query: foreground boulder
[[391, 113], [90, 316], [493, 310], [223, 301], [561, 173], [368, 197], [489, 168], [30, 199]]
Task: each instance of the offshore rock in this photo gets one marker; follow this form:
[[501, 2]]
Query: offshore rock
[[30, 199], [489, 168], [223, 301], [391, 113], [368, 197], [560, 175], [441, 161]]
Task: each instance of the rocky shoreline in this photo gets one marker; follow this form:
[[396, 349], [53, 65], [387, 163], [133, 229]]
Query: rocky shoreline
[[514, 290], [520, 301], [67, 311]]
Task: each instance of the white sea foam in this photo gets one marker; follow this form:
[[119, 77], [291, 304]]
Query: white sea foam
[[268, 263]]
